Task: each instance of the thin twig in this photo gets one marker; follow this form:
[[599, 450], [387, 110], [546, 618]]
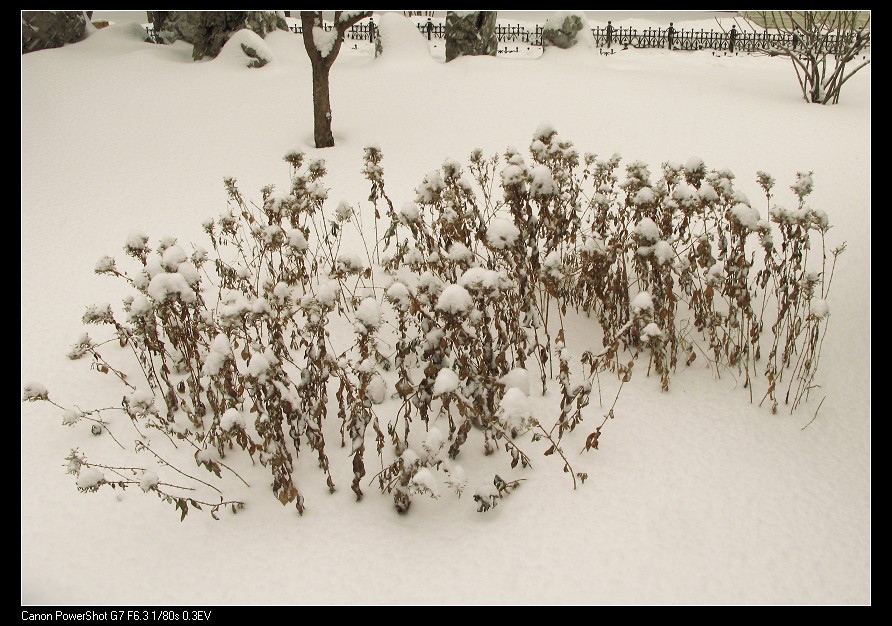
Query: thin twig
[[816, 414]]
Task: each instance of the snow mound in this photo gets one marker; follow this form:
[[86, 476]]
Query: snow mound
[[232, 417], [515, 411], [369, 313], [377, 389], [663, 252], [585, 41], [447, 382], [642, 302], [324, 40], [746, 216], [648, 230], [455, 300], [819, 308], [148, 481], [518, 378], [401, 41], [502, 233], [90, 478], [245, 49]]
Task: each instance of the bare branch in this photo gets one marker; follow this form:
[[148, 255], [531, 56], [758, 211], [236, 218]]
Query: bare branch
[[307, 22], [819, 44]]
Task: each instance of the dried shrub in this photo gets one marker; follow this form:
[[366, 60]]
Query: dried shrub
[[460, 300]]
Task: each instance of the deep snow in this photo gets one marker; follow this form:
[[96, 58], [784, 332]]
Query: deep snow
[[695, 496]]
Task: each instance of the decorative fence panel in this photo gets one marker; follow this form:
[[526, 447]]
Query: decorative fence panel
[[625, 37]]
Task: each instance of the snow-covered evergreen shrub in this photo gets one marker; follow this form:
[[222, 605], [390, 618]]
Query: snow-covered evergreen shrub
[[460, 300]]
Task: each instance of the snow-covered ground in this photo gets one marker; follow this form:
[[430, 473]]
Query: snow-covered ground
[[694, 497]]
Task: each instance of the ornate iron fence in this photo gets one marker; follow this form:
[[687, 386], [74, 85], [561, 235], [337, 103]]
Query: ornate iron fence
[[678, 39], [357, 32], [624, 37]]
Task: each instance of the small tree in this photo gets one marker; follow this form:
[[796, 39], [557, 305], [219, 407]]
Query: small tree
[[821, 45], [323, 47]]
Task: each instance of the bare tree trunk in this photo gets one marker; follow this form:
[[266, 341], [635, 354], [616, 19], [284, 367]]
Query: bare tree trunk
[[321, 107], [321, 61]]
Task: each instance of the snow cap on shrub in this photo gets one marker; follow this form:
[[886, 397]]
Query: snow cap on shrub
[[446, 382], [642, 302], [746, 216], [455, 299], [502, 233], [648, 230], [398, 294], [34, 391], [369, 314]]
